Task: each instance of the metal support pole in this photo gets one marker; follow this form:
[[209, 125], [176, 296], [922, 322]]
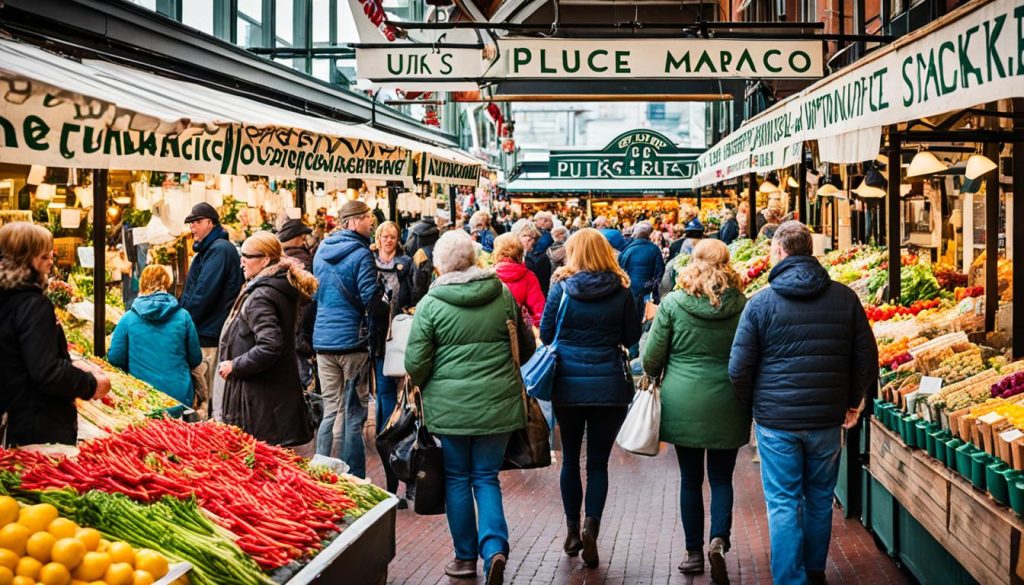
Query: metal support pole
[[452, 196], [1018, 228], [393, 205], [752, 204], [894, 237], [99, 272], [300, 195], [801, 193], [991, 239]]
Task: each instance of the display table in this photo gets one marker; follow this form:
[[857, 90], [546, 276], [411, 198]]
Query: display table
[[360, 554], [981, 535]]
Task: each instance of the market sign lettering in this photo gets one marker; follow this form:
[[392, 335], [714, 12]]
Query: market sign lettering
[[529, 58], [58, 131], [977, 58], [436, 170], [634, 154]]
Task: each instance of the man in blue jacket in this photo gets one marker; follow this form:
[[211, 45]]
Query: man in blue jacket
[[643, 262], [543, 221], [214, 281], [804, 359], [614, 236], [349, 286]]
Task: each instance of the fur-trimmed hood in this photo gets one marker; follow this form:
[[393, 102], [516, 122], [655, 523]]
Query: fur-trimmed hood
[[467, 288], [17, 277]]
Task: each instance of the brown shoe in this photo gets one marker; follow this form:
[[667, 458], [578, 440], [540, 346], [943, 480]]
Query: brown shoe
[[496, 574], [591, 528], [716, 556], [693, 564], [461, 569], [573, 545]]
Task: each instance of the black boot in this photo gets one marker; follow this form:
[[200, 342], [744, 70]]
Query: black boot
[[693, 564], [591, 527], [573, 545], [716, 556]]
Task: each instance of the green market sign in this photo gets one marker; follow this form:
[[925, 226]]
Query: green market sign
[[42, 125], [637, 154], [445, 172], [529, 58], [977, 58]]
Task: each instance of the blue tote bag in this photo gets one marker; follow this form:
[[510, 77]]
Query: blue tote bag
[[539, 370]]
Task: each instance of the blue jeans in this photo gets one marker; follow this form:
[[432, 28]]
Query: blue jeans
[[343, 384], [601, 424], [799, 472], [721, 463], [387, 399], [471, 466]]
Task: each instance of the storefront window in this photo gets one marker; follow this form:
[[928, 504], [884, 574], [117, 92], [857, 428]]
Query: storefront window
[[198, 14], [250, 23], [284, 25]]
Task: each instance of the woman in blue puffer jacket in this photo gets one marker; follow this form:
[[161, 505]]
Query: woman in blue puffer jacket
[[156, 341], [592, 389]]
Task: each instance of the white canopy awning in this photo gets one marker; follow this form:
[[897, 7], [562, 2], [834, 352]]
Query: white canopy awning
[[93, 114]]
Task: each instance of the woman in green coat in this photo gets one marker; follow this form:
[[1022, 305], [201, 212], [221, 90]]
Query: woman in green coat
[[689, 345], [460, 355]]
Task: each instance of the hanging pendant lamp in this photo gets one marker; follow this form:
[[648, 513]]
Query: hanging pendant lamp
[[925, 163]]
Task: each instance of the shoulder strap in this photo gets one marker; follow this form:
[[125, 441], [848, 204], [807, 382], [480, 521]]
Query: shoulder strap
[[562, 304]]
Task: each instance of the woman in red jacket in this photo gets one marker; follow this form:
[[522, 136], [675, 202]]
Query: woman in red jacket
[[508, 264]]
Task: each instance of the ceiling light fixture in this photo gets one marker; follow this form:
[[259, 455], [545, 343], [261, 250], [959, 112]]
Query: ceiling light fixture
[[925, 163]]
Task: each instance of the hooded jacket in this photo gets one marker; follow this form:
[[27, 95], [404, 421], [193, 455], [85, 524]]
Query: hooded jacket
[[689, 345], [730, 231], [347, 273], [643, 262], [615, 238], [423, 233], [804, 352], [212, 285], [460, 355], [524, 287], [263, 395], [156, 341], [598, 323], [39, 385]]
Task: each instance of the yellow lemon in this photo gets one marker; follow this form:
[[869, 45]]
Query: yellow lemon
[[62, 528], [90, 537], [8, 559], [142, 578], [37, 518], [39, 546], [94, 565], [152, 562], [13, 537], [28, 567], [121, 552], [9, 510], [6, 576], [68, 552], [119, 574], [54, 574], [19, 580]]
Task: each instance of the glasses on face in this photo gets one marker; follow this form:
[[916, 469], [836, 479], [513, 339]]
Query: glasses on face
[[252, 256]]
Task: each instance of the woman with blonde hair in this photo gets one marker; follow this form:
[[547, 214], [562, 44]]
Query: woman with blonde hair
[[508, 265], [41, 382], [258, 375], [156, 340], [592, 388], [689, 344]]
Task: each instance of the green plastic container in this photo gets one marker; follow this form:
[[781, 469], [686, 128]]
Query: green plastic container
[[995, 479], [951, 448], [980, 460], [1016, 489], [937, 443], [963, 459], [1012, 476], [910, 431], [921, 436], [876, 407]]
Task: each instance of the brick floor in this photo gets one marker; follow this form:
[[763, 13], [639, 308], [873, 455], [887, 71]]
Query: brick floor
[[641, 539]]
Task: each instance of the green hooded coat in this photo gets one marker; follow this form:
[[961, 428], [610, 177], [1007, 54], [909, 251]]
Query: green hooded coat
[[460, 355], [690, 341]]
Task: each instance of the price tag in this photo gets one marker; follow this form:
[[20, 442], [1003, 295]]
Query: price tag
[[1011, 435], [930, 385]]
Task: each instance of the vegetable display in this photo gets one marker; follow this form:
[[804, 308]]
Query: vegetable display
[[130, 400]]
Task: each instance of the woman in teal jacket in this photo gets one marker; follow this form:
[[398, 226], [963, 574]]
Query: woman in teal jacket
[[689, 344], [156, 341]]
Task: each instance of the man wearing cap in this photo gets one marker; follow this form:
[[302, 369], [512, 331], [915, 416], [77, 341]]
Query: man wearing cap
[[349, 285], [214, 281], [292, 236]]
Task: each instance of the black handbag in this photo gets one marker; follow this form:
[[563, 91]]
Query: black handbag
[[528, 447], [430, 477], [396, 441]]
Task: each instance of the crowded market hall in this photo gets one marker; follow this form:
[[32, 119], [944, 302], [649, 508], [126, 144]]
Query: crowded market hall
[[462, 292]]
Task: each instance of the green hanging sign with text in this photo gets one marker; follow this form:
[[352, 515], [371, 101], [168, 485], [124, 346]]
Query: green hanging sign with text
[[635, 154]]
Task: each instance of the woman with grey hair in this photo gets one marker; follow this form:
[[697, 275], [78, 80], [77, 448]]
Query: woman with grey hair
[[556, 253], [536, 260], [460, 354], [480, 229]]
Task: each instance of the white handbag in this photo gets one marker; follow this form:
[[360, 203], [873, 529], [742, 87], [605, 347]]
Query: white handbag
[[640, 431], [394, 348]]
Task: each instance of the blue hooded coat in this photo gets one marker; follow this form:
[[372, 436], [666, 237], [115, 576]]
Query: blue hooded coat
[[643, 262], [804, 352], [156, 341], [599, 321], [213, 284], [614, 237], [347, 272]]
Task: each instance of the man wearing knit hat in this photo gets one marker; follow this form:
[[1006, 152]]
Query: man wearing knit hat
[[349, 286]]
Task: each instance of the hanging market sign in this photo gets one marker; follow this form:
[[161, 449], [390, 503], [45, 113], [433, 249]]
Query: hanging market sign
[[437, 170], [635, 154], [973, 56], [529, 58], [44, 126]]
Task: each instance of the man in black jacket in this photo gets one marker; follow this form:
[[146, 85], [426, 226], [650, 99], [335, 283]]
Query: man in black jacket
[[804, 358]]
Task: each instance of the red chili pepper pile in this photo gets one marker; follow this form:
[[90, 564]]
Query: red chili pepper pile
[[256, 491]]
